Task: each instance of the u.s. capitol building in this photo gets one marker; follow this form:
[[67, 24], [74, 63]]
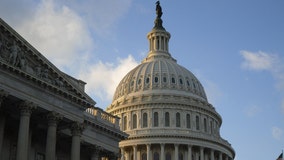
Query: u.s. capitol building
[[164, 109]]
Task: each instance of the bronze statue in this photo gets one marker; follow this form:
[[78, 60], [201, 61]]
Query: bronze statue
[[158, 10]]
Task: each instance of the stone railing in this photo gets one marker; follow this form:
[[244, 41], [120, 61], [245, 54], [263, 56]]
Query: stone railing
[[103, 116]]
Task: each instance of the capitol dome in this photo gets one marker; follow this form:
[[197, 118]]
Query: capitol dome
[[164, 109]]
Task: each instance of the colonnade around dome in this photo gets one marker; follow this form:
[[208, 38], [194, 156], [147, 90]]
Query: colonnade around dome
[[172, 151]]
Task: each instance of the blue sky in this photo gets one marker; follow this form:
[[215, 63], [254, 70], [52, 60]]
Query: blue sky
[[234, 47]]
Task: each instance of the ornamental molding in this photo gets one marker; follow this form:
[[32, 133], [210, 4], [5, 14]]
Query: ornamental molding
[[19, 58]]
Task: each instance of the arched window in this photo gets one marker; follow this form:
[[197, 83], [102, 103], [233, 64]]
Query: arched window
[[156, 80], [134, 121], [124, 123], [205, 125], [156, 119], [156, 156], [168, 156], [144, 156], [165, 79], [197, 123], [173, 80], [147, 80], [188, 121], [180, 81], [145, 120], [167, 119], [177, 119]]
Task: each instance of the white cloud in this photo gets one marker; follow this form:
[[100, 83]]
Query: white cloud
[[59, 33], [103, 78], [271, 63], [277, 133], [258, 61]]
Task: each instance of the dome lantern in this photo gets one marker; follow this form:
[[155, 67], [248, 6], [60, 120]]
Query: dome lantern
[[158, 37]]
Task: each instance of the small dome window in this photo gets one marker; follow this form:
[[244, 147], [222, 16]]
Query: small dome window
[[156, 80], [187, 81], [165, 79], [180, 81], [173, 80], [147, 80]]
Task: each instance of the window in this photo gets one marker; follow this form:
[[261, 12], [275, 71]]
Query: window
[[173, 80], [188, 84], [134, 121], [147, 80], [156, 119], [145, 120], [177, 119], [156, 156], [197, 123], [205, 125], [165, 79], [180, 81], [124, 123], [156, 79], [188, 121], [167, 119]]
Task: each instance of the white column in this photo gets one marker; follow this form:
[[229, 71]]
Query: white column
[[50, 149], [212, 154], [201, 153], [76, 130], [134, 152], [176, 151], [189, 152], [23, 134], [162, 151], [122, 153], [148, 151]]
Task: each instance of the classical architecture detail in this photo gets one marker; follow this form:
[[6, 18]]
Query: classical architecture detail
[[20, 58], [164, 109], [46, 114]]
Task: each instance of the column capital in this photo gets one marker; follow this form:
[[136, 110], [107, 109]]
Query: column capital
[[26, 107], [53, 118], [77, 128]]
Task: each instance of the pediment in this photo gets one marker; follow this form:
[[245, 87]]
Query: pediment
[[21, 58]]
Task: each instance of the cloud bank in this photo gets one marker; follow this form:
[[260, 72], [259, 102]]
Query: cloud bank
[[66, 33]]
